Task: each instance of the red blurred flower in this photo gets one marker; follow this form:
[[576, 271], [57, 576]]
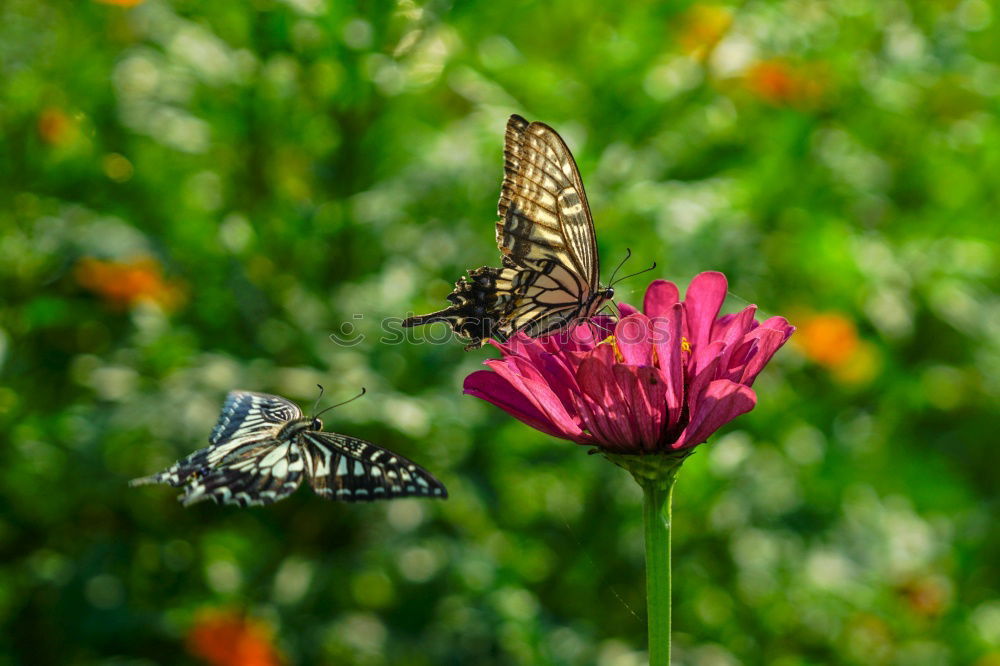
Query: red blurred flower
[[125, 283], [780, 83], [121, 3], [229, 638], [664, 381]]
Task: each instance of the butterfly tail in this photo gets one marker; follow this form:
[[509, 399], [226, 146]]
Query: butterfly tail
[[145, 480], [473, 313], [419, 320], [179, 473]]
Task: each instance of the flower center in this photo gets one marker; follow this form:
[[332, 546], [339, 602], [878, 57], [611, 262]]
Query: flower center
[[685, 345], [614, 345]]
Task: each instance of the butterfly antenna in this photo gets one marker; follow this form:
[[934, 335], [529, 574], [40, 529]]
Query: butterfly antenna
[[625, 277], [318, 398], [340, 404], [628, 253]]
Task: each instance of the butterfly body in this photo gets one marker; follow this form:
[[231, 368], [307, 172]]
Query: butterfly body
[[549, 277], [300, 425], [262, 447]]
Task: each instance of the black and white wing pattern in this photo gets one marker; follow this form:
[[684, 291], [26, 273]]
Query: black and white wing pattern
[[353, 470], [550, 275], [245, 413], [246, 418], [262, 447], [255, 474]]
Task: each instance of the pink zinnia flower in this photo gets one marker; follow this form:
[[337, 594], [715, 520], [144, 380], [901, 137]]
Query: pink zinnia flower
[[659, 381]]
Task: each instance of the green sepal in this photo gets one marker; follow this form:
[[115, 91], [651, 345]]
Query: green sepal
[[652, 469]]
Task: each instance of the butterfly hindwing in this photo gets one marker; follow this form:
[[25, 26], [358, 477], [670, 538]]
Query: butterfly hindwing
[[245, 417], [257, 473], [353, 470], [549, 279]]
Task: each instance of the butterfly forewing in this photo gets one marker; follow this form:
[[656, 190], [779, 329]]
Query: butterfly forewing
[[543, 207], [245, 413], [353, 470]]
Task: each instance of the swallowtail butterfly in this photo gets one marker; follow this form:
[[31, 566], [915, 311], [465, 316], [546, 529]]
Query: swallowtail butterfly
[[550, 275], [262, 447]]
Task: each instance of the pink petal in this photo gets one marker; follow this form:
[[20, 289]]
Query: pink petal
[[517, 344], [594, 422], [645, 394], [605, 399], [702, 357], [779, 324], [702, 302], [667, 341], [581, 337], [733, 327], [539, 394], [624, 310], [560, 376], [660, 297], [633, 336], [493, 388], [723, 401], [731, 333], [705, 372], [768, 341], [604, 353]]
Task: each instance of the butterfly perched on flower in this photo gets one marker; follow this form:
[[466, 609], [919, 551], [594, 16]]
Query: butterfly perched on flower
[[262, 447], [550, 274]]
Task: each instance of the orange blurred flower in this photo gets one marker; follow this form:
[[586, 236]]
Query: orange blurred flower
[[121, 3], [702, 26], [831, 339], [778, 82], [56, 127], [125, 283], [230, 638]]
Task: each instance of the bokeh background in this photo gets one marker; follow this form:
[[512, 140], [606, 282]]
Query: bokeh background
[[195, 195]]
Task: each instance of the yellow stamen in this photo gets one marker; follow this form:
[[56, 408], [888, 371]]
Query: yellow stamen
[[685, 345], [614, 345]]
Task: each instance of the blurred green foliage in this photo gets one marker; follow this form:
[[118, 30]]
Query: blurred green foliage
[[194, 196]]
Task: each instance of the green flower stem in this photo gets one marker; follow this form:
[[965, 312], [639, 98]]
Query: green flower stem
[[656, 474], [656, 517]]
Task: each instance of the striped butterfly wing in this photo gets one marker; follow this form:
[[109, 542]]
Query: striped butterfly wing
[[550, 273], [257, 473], [245, 414], [246, 418], [543, 209], [545, 232], [353, 470]]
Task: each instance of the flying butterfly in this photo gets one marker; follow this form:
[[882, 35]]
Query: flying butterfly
[[550, 273], [262, 447]]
